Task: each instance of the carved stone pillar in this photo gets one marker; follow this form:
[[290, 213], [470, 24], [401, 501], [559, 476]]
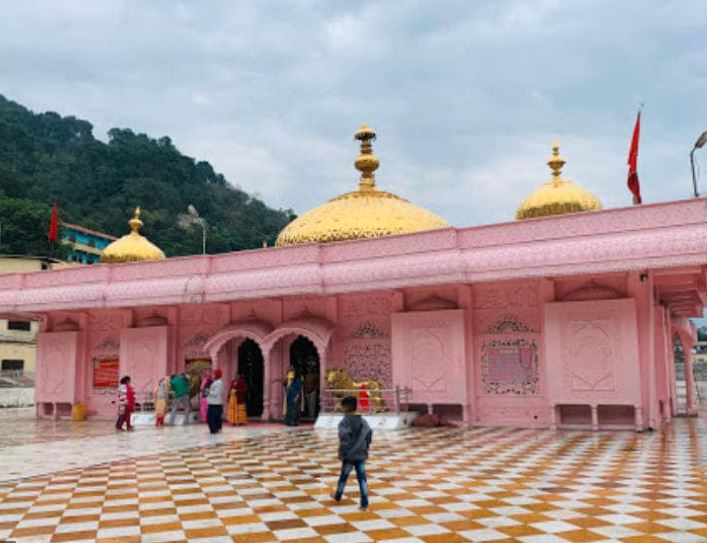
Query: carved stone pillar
[[266, 384], [691, 405]]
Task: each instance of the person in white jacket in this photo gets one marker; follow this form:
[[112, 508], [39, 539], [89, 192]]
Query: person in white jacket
[[214, 398]]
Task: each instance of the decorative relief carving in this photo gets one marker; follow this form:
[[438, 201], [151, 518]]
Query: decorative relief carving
[[590, 354], [368, 360], [366, 348], [510, 367], [503, 297], [430, 359], [508, 323], [368, 330], [592, 291], [54, 369], [433, 303]]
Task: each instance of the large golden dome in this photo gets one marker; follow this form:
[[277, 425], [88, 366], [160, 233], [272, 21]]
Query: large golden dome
[[364, 213], [557, 195], [132, 247]]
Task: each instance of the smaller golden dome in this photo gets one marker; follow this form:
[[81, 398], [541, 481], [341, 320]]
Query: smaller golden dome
[[132, 247], [557, 195]]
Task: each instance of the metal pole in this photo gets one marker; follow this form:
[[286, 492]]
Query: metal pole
[[694, 175]]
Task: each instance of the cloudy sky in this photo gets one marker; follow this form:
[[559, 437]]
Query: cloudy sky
[[466, 97]]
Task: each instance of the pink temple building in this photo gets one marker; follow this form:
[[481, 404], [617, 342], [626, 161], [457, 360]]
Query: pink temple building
[[566, 317]]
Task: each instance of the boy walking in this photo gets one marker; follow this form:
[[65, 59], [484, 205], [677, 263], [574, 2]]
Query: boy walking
[[354, 441]]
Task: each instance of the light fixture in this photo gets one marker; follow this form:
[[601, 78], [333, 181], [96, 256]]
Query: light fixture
[[698, 145]]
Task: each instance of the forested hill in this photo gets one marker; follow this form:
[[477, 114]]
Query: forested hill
[[45, 156]]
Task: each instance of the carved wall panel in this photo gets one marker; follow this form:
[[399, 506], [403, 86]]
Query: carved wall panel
[[506, 295], [510, 366], [592, 351], [363, 337], [507, 326], [429, 356], [56, 366], [143, 356], [197, 323]]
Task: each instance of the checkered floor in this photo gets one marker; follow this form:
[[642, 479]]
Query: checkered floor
[[435, 485]]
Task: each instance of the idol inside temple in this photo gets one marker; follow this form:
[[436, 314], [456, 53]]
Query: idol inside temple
[[564, 318]]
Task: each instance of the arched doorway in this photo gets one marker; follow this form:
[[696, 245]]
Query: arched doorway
[[304, 358], [250, 366]]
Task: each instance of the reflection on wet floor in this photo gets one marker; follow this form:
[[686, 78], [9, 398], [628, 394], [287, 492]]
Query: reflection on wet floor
[[427, 485]]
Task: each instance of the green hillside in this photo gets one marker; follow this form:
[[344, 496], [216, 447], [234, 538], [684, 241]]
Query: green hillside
[[45, 156]]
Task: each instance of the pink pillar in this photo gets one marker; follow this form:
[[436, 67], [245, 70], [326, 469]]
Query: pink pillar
[[687, 346], [266, 384], [640, 287]]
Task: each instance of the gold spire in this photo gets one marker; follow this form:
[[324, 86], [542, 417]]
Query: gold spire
[[364, 213], [557, 195], [135, 223], [556, 162], [133, 246], [367, 162]]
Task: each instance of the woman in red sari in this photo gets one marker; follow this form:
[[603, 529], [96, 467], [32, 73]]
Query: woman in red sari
[[237, 414]]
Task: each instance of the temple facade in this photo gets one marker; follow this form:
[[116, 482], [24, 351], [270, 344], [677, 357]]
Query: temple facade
[[566, 317]]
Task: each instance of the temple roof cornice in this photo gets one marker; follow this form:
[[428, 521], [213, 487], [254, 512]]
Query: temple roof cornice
[[655, 236]]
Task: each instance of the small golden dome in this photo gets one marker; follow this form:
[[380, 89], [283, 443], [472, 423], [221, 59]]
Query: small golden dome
[[132, 247], [364, 213], [557, 195]]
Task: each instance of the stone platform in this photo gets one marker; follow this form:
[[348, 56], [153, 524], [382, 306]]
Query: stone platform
[[380, 421]]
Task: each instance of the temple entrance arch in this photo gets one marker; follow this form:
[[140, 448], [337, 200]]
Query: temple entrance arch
[[304, 343], [304, 359], [251, 366], [240, 348]]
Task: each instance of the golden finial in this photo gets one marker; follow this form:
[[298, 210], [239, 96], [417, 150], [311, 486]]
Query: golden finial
[[135, 223], [556, 161], [367, 162]]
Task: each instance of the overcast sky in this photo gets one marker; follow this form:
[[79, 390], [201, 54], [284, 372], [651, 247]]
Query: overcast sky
[[466, 97]]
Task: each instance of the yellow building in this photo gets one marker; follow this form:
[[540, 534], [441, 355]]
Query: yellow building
[[18, 337]]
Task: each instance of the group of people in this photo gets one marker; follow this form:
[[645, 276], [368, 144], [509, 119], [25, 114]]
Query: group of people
[[354, 432], [176, 389]]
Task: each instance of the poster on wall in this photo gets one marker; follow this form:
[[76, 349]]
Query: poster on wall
[[106, 372]]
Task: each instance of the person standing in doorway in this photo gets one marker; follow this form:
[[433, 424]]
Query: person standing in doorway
[[126, 404], [214, 414], [180, 388], [311, 386], [294, 398], [354, 441]]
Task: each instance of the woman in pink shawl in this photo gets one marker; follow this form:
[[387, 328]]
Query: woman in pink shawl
[[203, 393]]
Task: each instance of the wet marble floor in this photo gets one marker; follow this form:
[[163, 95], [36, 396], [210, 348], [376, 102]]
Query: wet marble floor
[[427, 485]]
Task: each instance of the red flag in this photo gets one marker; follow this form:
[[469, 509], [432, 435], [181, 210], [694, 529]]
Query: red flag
[[53, 234], [633, 185]]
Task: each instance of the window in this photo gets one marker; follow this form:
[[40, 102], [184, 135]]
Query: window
[[72, 238], [12, 365], [19, 325], [91, 243]]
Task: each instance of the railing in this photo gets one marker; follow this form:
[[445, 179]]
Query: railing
[[144, 401], [17, 378], [384, 400]]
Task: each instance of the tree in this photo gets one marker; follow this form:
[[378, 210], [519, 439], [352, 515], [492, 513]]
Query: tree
[[45, 156]]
